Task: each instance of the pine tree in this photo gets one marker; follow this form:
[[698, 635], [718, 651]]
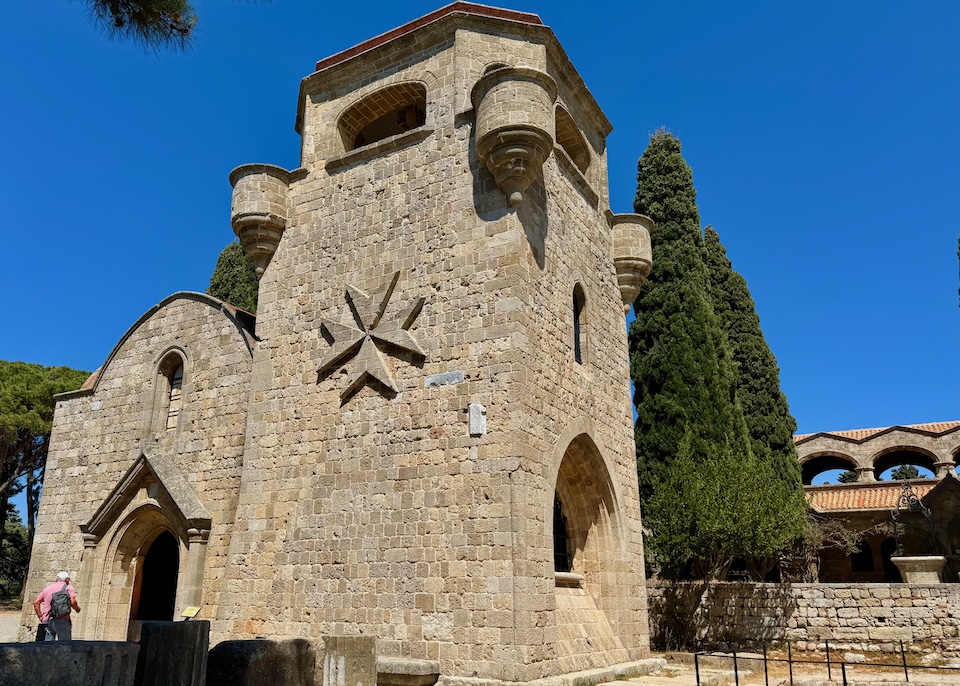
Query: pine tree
[[679, 361], [905, 472], [765, 409], [152, 23], [234, 279]]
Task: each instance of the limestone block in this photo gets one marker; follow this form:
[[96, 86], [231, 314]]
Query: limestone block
[[350, 661]]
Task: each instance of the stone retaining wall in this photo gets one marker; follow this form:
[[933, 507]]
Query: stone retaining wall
[[861, 616]]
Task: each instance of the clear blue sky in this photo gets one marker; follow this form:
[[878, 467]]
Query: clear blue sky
[[824, 137]]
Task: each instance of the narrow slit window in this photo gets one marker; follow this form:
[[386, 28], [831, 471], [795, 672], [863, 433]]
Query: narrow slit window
[[578, 303], [175, 397], [561, 554]]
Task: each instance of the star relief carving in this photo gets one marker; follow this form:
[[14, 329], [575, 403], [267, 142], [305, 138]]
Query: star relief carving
[[368, 334]]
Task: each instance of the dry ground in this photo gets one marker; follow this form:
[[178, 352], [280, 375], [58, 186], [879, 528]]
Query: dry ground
[[9, 625]]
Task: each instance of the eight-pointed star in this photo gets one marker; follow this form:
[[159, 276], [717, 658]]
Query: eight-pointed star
[[368, 332]]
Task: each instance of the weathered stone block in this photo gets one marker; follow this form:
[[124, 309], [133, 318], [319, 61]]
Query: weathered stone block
[[68, 663], [262, 663], [350, 661], [172, 653]]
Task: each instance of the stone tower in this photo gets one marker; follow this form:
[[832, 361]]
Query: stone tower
[[430, 438]]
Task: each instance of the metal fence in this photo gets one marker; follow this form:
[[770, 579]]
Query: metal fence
[[832, 666]]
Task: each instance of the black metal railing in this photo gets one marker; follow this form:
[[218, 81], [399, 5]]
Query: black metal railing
[[830, 664]]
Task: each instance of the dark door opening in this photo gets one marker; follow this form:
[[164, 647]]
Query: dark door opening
[[155, 594], [890, 572]]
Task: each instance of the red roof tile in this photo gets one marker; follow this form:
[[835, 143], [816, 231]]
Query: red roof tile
[[860, 435], [867, 496]]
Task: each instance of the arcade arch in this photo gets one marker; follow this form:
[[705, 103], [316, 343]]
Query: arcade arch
[[814, 465], [899, 456]]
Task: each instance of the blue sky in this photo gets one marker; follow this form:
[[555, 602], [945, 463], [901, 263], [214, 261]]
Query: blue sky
[[824, 139]]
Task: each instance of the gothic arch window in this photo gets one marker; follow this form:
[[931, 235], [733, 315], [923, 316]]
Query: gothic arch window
[[169, 393], [561, 551], [571, 140], [387, 112], [579, 302]]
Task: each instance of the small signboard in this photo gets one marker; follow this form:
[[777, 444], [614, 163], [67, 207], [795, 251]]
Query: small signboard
[[190, 612]]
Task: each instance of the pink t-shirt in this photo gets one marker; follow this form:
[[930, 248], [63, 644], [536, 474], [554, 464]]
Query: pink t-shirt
[[47, 593]]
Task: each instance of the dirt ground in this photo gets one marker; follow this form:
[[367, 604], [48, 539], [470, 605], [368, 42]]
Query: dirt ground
[[9, 625], [718, 671]]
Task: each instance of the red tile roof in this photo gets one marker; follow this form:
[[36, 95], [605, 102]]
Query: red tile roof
[[462, 7], [860, 435], [857, 496]]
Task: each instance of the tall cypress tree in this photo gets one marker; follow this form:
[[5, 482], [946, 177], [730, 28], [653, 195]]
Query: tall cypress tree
[[679, 360], [234, 279], [707, 498], [765, 409]]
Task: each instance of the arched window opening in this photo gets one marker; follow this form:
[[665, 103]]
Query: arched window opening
[[386, 113], [862, 559], [579, 300], [571, 140], [169, 394], [496, 65], [561, 551]]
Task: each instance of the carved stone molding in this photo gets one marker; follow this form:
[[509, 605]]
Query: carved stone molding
[[365, 334]]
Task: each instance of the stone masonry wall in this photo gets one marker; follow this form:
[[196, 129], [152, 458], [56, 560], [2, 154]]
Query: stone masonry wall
[[97, 437], [863, 616]]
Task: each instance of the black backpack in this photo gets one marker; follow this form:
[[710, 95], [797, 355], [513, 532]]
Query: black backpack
[[60, 603]]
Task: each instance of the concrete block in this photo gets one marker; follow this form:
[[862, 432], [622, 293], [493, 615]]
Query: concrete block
[[68, 663]]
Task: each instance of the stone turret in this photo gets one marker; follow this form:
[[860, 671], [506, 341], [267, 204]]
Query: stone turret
[[632, 253], [515, 126], [259, 211]]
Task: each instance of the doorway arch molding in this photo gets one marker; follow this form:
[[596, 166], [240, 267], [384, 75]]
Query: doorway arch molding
[[150, 498]]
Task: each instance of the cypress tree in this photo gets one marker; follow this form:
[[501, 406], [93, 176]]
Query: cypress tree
[[707, 498], [765, 409], [234, 279], [679, 361]]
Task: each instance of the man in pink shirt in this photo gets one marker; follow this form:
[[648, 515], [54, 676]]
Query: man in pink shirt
[[58, 628]]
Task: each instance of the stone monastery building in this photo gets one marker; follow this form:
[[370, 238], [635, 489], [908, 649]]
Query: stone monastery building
[[425, 434]]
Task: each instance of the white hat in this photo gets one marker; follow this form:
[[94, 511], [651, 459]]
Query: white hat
[[63, 576]]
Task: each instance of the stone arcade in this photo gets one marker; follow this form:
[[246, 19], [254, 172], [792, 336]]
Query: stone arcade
[[425, 433]]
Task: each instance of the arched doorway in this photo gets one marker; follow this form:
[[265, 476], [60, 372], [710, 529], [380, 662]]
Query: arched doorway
[[155, 587]]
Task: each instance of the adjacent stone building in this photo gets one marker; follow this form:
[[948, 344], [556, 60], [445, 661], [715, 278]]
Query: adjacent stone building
[[866, 504], [425, 434]]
